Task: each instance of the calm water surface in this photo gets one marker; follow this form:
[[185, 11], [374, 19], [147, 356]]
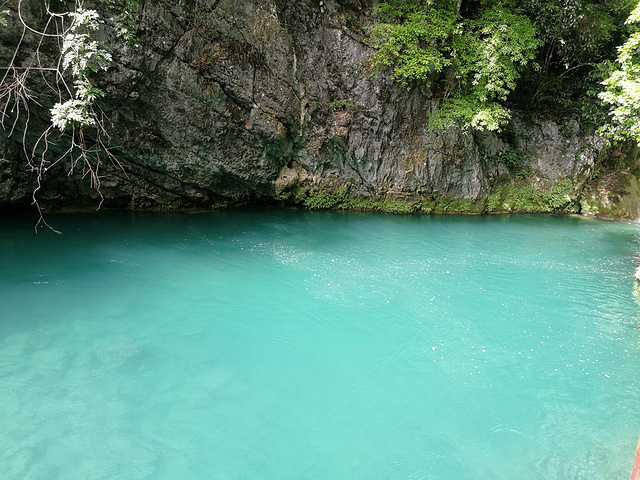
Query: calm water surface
[[301, 345]]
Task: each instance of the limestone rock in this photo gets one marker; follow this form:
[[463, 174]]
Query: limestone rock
[[614, 196], [237, 102]]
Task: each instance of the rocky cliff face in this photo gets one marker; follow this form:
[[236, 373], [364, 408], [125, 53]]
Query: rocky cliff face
[[227, 102]]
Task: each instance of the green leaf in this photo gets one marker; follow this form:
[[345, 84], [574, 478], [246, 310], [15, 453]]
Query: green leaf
[[481, 57]]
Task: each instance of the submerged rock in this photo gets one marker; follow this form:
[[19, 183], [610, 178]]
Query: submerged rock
[[115, 352]]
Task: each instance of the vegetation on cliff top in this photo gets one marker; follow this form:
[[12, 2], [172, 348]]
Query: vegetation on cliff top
[[551, 57], [480, 54], [622, 91]]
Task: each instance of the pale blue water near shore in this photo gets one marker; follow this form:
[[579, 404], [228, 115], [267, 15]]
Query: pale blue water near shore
[[300, 345]]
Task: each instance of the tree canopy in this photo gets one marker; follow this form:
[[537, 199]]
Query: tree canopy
[[481, 54], [478, 56], [622, 88]]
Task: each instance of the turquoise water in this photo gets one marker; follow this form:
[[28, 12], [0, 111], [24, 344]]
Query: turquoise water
[[300, 345]]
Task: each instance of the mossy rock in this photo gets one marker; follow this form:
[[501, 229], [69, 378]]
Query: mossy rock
[[459, 205], [522, 197], [317, 199], [615, 196]]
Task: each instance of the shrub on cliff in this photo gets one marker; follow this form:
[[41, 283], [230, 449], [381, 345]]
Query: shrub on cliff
[[472, 56], [622, 88]]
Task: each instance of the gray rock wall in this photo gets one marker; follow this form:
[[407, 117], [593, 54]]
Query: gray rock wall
[[227, 101]]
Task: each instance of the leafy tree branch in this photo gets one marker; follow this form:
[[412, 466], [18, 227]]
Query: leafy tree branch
[[622, 88], [75, 118], [474, 57]]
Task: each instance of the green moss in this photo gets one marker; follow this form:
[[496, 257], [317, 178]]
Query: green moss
[[573, 207], [525, 199], [442, 205], [494, 202], [589, 205], [322, 200], [522, 197], [156, 203], [462, 205], [615, 196], [516, 197], [219, 205], [426, 205], [137, 202], [342, 105], [341, 200], [458, 205], [285, 195], [170, 203]]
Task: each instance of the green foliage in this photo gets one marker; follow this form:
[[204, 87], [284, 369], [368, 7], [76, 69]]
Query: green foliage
[[516, 160], [71, 112], [522, 174], [83, 56], [497, 43], [512, 158], [622, 89], [526, 199], [559, 196], [323, 200], [578, 40], [494, 201], [574, 31], [342, 105], [546, 56], [220, 205], [414, 37], [549, 57], [3, 17], [79, 51], [462, 205], [125, 14], [482, 55], [470, 112], [522, 197], [589, 206]]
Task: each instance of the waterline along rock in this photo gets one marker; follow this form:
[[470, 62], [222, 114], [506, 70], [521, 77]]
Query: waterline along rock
[[221, 103]]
